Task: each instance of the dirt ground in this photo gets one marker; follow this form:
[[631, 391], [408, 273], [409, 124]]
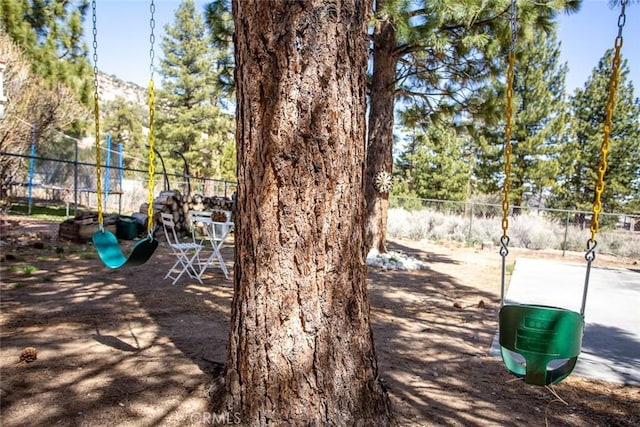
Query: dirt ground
[[126, 348]]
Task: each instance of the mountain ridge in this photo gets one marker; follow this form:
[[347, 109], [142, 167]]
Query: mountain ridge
[[111, 87]]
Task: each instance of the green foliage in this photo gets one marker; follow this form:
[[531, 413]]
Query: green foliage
[[581, 154], [539, 121], [190, 121], [26, 270], [219, 21], [124, 121], [54, 213], [434, 164], [50, 34], [449, 65], [447, 49]]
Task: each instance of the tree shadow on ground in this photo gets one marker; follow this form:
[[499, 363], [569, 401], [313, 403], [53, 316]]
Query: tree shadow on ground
[[111, 343], [617, 346], [433, 333], [127, 347]]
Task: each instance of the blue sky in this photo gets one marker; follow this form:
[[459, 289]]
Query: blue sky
[[123, 38]]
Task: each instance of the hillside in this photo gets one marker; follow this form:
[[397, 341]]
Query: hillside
[[111, 87]]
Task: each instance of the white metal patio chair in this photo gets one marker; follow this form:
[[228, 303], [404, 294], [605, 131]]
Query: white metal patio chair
[[187, 253], [214, 226]]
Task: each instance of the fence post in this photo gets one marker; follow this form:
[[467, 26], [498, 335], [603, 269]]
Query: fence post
[[120, 176], [566, 230], [75, 180], [470, 223], [32, 163]]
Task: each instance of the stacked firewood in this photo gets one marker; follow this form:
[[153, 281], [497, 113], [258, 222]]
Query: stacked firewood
[[179, 205]]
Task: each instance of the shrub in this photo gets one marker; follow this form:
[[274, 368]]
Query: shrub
[[528, 230]]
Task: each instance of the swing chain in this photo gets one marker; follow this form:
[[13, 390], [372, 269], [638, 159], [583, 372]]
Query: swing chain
[[96, 116], [608, 125], [590, 255], [152, 158], [513, 22], [591, 250], [152, 38], [508, 129], [504, 246], [508, 112]]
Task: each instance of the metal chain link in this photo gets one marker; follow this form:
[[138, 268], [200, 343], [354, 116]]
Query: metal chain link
[[590, 255], [96, 116], [513, 21], [608, 125], [152, 38], [508, 113], [152, 158], [508, 128]]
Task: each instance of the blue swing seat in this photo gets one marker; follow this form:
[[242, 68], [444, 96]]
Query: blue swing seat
[[533, 338], [111, 255]]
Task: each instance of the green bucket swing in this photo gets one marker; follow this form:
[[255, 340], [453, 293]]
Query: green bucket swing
[[538, 343], [105, 242]]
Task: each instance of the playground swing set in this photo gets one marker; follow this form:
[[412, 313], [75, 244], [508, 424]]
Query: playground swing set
[[538, 343], [105, 242]]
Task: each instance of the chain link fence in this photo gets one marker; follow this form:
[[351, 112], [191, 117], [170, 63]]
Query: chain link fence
[[533, 228], [42, 180]]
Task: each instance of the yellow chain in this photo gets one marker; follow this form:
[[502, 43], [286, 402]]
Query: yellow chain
[[508, 113], [507, 147], [96, 117], [608, 124], [152, 159], [152, 138]]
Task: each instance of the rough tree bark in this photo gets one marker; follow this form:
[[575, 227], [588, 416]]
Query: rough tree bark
[[380, 141], [301, 350]]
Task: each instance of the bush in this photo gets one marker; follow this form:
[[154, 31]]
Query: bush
[[528, 230]]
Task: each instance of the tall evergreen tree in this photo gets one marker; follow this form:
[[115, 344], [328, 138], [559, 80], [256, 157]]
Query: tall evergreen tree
[[435, 53], [581, 155], [124, 121], [435, 163], [540, 120], [300, 346], [219, 20], [189, 119], [50, 34]]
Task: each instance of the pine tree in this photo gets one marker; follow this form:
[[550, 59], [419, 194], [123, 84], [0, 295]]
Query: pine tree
[[539, 121], [435, 164], [581, 155], [219, 20], [189, 119], [436, 54], [50, 34], [124, 121], [300, 349]]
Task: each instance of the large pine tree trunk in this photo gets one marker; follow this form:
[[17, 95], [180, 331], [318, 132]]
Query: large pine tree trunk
[[301, 349], [380, 140]]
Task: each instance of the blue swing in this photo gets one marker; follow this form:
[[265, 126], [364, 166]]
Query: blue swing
[[105, 242], [112, 256]]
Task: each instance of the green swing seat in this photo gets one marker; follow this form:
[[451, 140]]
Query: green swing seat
[[543, 336], [111, 255]]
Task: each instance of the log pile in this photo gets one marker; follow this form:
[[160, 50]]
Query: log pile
[[82, 227], [179, 205]]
